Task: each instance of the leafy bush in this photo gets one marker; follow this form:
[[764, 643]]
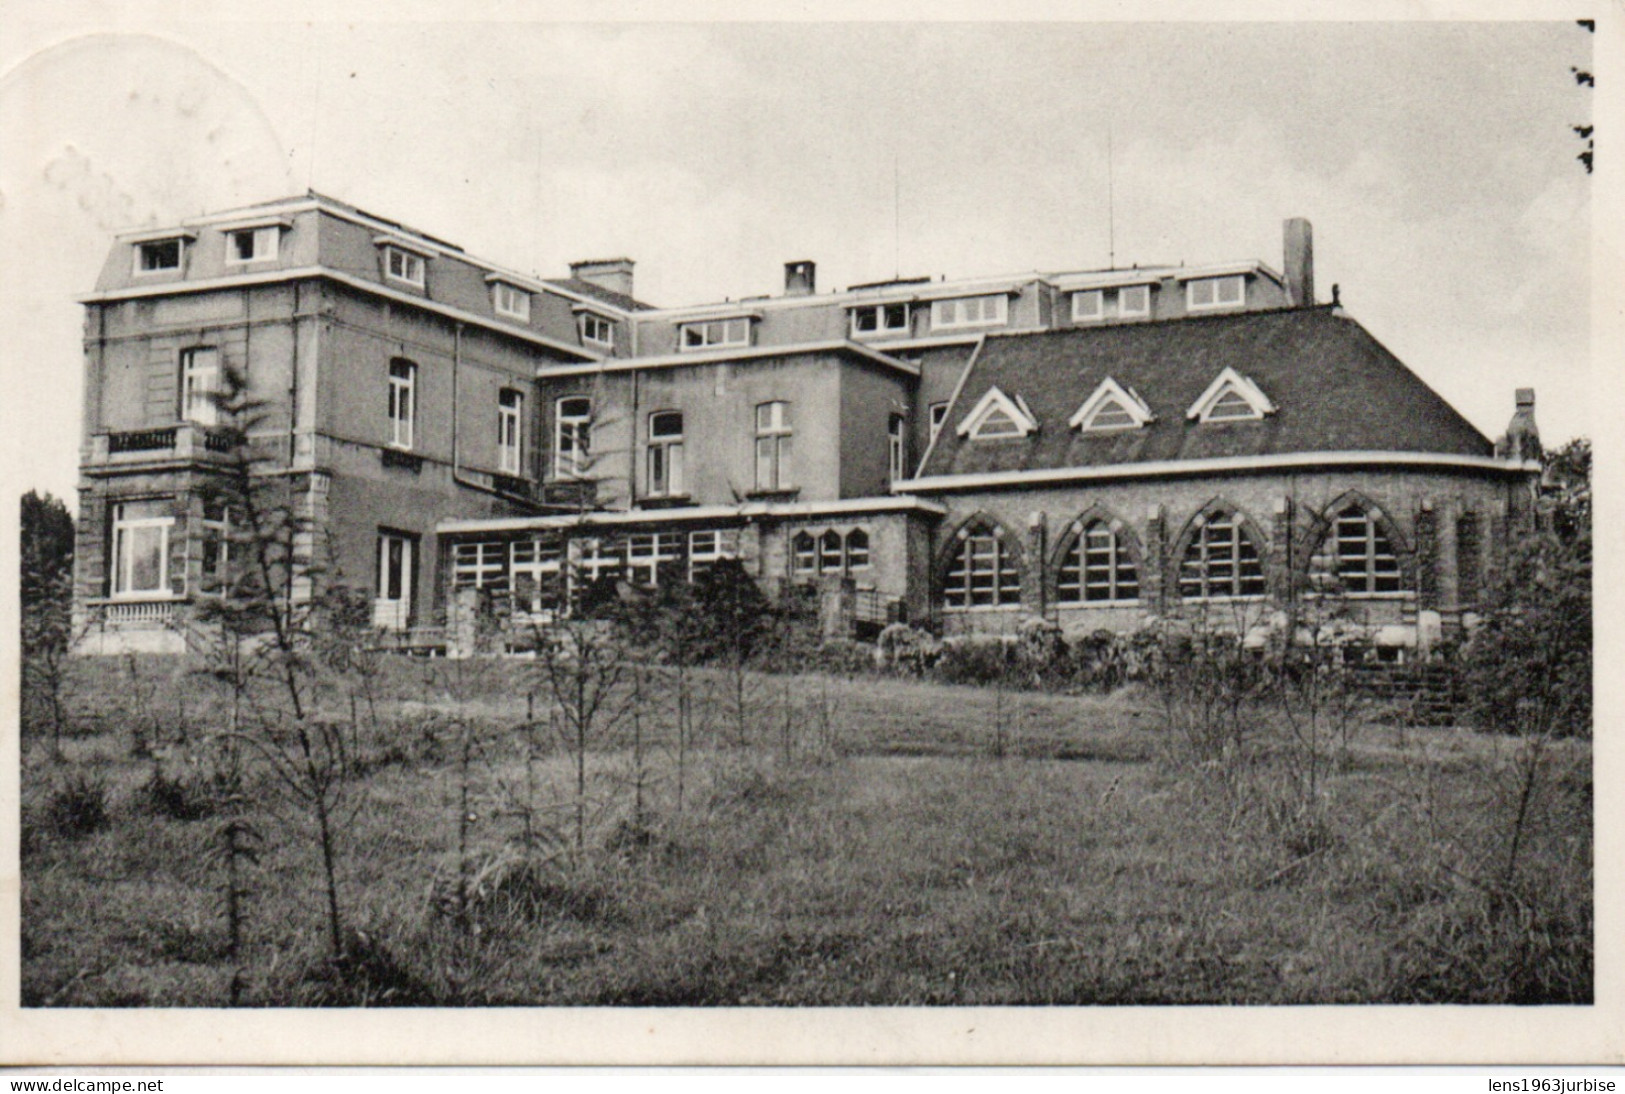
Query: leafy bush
[[977, 660], [906, 650], [77, 807], [181, 798]]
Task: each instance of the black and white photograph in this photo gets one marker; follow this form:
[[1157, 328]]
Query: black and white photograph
[[848, 536]]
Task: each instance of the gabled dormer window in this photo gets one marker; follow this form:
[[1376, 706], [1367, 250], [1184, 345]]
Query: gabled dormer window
[[997, 416], [1231, 397], [1112, 407], [1213, 293], [510, 301], [971, 311], [597, 329]]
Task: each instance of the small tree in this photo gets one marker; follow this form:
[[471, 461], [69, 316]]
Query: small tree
[[46, 584]]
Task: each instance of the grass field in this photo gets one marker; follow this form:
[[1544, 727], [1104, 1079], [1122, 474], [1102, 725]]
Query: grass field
[[838, 841]]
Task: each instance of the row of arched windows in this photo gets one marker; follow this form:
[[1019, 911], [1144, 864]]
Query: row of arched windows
[[1222, 557]]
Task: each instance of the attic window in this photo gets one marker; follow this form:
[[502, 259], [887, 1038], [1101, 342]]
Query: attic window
[[1209, 293], [1089, 305], [715, 334], [404, 266], [597, 329], [971, 311], [511, 301], [158, 255], [1134, 301], [996, 417], [1112, 407], [246, 245], [1231, 397], [880, 319]]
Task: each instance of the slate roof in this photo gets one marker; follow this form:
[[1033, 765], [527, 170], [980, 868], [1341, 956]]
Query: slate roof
[[598, 292], [1337, 389]]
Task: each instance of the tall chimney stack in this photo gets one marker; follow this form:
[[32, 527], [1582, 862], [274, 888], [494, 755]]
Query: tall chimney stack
[[800, 278], [614, 274], [1299, 262]]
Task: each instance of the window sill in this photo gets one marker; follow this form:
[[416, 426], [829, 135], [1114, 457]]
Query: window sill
[[665, 501], [957, 609], [787, 494]]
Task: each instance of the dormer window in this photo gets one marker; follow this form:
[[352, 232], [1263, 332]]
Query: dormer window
[[246, 245], [404, 266], [1112, 407], [1089, 306], [971, 311], [1212, 293], [1126, 302], [1231, 397], [597, 329], [510, 301], [1134, 302], [880, 319], [996, 417], [158, 255], [714, 334]]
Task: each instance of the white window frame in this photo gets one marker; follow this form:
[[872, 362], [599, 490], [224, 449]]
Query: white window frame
[[534, 564], [804, 553], [1230, 381], [853, 560], [266, 241], [666, 451], [597, 329], [200, 383], [1110, 392], [145, 246], [707, 548], [774, 436], [1089, 305], [982, 549], [124, 529], [896, 446], [936, 414], [394, 612], [994, 400], [572, 438], [956, 312], [879, 314], [1124, 311], [646, 551], [214, 538], [413, 267], [510, 301], [1219, 302], [1107, 567], [714, 334], [510, 431], [402, 402]]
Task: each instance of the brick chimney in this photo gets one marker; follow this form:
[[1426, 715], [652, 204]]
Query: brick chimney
[[1299, 262], [614, 274], [800, 278]]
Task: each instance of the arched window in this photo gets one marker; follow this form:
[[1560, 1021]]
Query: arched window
[[1359, 553], [857, 549], [982, 570], [1097, 567], [1222, 560], [829, 552], [804, 553]]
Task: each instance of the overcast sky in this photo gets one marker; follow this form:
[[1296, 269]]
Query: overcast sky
[[1435, 161]]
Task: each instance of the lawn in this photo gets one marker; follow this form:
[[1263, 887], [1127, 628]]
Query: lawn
[[814, 841]]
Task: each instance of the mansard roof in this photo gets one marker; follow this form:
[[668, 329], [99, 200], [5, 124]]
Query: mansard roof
[[1335, 387]]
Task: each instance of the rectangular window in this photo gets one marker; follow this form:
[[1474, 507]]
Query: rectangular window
[[1214, 292], [598, 330], [215, 529], [939, 414], [666, 454], [1088, 306], [715, 334], [158, 256], [510, 431], [510, 301], [479, 565], [200, 383], [392, 606], [970, 311], [536, 568], [404, 266], [895, 448], [880, 319], [141, 548], [653, 555], [572, 436], [251, 245], [1134, 301], [403, 376], [705, 549], [597, 559], [773, 446]]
